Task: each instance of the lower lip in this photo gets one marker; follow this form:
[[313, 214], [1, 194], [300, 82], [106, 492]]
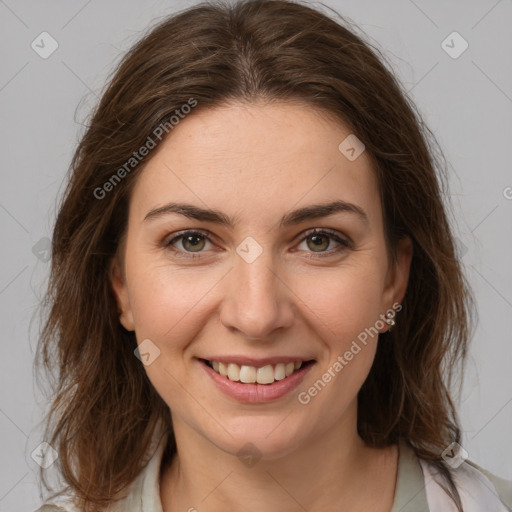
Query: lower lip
[[257, 393]]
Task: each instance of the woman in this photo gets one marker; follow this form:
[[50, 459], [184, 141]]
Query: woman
[[255, 298]]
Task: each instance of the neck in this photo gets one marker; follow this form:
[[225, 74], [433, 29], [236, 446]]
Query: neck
[[334, 468]]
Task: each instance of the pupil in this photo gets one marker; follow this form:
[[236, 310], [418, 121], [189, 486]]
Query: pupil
[[317, 239], [192, 237]]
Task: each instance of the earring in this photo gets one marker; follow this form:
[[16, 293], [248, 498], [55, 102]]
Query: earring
[[389, 319]]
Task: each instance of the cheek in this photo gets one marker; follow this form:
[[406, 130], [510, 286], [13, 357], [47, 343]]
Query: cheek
[[343, 311], [166, 302], [341, 304]]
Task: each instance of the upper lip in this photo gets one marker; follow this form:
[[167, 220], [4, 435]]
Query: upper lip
[[257, 362]]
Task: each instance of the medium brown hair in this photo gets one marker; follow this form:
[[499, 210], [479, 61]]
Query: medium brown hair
[[104, 409]]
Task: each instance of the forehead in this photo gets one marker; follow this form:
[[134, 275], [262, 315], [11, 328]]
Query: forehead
[[256, 161]]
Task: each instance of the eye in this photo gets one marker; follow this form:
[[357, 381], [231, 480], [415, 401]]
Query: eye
[[321, 239], [190, 241]]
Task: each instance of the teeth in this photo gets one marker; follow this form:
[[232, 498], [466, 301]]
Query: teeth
[[247, 374], [279, 371], [250, 374], [233, 372], [223, 369], [265, 375]]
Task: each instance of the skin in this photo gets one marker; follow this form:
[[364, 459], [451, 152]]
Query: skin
[[256, 162]]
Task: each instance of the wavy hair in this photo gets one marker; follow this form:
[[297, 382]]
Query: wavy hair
[[104, 410]]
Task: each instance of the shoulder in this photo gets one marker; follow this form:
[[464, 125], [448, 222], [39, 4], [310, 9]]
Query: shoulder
[[143, 491], [503, 488], [480, 491]]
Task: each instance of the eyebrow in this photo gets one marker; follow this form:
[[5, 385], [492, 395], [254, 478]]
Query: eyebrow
[[294, 217]]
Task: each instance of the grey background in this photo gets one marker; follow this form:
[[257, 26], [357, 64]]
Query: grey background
[[467, 102]]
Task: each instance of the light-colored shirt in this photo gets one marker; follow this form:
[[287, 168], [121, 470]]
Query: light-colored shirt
[[418, 487]]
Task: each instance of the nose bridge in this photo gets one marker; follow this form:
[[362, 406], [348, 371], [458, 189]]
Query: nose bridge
[[256, 281], [257, 302]]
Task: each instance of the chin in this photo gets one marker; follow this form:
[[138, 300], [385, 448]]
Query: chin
[[263, 438]]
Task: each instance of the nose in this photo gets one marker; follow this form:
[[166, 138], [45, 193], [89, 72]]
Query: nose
[[257, 301]]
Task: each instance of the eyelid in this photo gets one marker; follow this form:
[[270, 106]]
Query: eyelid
[[167, 242], [341, 237]]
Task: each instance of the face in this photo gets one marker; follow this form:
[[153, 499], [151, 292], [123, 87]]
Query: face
[[253, 276]]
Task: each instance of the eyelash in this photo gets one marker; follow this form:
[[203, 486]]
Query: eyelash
[[344, 244]]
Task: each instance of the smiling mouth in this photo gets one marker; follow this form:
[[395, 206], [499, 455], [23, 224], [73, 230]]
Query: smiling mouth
[[267, 374]]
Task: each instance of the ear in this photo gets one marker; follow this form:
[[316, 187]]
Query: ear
[[398, 274], [120, 289]]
